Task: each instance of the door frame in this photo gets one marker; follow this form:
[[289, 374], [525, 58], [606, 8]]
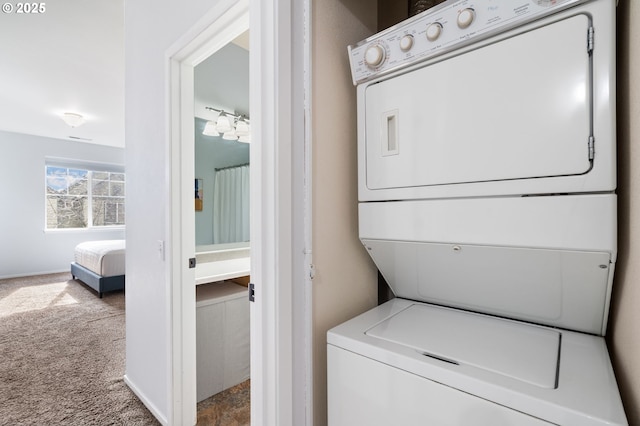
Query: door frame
[[280, 231], [223, 23]]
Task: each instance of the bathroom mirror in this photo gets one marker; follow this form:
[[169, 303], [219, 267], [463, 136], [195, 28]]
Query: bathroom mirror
[[221, 82]]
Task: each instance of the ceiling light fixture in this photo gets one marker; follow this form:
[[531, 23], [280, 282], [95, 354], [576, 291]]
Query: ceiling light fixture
[[230, 135], [242, 127], [223, 124], [230, 126], [210, 129], [72, 119]]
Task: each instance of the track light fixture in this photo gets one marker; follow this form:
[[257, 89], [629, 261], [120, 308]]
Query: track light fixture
[[230, 126]]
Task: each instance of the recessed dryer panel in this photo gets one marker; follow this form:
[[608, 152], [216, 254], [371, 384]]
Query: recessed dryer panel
[[492, 109], [539, 124]]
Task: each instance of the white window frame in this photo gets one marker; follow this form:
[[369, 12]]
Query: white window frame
[[91, 168]]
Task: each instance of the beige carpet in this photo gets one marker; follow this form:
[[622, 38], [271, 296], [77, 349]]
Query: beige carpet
[[62, 355]]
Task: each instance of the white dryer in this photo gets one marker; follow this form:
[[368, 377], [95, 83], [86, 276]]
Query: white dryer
[[486, 163]]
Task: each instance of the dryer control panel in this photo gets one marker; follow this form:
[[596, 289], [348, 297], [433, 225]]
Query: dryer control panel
[[441, 29]]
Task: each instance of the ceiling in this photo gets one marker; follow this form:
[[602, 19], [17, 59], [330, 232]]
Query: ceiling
[[71, 59], [68, 59], [222, 80]]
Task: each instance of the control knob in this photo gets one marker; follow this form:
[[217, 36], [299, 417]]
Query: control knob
[[466, 17], [374, 55], [406, 43], [433, 31]]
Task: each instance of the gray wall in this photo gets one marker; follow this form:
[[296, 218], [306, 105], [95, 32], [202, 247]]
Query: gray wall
[[25, 248], [149, 296], [211, 153]]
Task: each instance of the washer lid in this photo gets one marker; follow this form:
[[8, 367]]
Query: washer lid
[[524, 352]]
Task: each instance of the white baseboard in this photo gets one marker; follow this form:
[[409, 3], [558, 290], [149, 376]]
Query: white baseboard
[[156, 413], [33, 274]]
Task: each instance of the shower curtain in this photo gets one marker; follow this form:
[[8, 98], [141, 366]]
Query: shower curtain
[[231, 205]]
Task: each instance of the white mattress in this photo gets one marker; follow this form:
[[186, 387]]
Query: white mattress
[[105, 257]]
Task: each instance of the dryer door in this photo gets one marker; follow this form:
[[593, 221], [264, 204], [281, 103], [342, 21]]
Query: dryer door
[[518, 108]]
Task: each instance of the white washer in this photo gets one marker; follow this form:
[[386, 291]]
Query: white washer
[[486, 164], [410, 363]]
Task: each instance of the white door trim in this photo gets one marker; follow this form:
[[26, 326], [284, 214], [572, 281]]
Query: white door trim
[[225, 21], [307, 296], [280, 198], [281, 255], [280, 206], [271, 181]]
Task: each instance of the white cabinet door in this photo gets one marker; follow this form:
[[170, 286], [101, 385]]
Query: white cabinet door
[[222, 337]]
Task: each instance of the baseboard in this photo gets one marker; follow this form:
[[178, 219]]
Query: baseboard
[[156, 413], [33, 274]]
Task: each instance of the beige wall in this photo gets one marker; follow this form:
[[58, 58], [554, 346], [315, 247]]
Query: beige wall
[[345, 283], [624, 326]]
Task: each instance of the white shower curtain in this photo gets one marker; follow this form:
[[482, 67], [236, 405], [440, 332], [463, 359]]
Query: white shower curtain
[[231, 205]]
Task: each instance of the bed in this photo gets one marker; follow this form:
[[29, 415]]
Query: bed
[[100, 265]]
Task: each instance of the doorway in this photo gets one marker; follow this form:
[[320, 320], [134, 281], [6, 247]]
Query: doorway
[[280, 317], [222, 233], [226, 21]]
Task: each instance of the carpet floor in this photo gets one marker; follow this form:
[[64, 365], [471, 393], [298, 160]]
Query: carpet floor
[[62, 359]]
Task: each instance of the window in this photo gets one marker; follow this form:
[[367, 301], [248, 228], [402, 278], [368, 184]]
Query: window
[[83, 198]]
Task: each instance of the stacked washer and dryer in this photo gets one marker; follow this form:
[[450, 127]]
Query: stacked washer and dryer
[[487, 177]]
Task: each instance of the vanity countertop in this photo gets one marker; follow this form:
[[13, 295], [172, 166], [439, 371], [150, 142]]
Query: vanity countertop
[[220, 270]]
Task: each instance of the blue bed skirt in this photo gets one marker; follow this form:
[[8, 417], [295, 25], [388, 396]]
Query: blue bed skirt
[[97, 282]]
